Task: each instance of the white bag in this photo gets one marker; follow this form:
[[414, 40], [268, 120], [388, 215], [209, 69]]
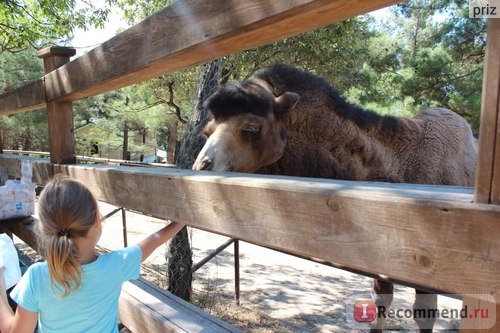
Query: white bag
[[10, 260], [17, 197]]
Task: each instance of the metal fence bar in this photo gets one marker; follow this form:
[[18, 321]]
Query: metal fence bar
[[215, 252]]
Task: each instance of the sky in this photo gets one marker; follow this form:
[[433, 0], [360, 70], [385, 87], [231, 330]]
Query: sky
[[85, 41]]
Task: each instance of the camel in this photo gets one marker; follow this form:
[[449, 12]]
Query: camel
[[287, 121]]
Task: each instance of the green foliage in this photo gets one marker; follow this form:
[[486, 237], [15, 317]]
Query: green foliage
[[28, 130], [334, 51], [137, 10], [147, 109], [19, 69], [37, 23], [428, 53], [25, 131], [159, 107]]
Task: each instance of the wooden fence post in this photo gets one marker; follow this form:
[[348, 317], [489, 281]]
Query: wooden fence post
[[60, 114], [488, 167]]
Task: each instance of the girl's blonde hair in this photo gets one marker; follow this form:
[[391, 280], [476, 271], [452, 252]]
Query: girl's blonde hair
[[67, 210]]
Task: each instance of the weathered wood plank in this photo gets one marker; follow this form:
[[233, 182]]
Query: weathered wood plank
[[431, 236], [24, 231], [494, 33], [487, 187], [191, 32], [147, 308], [26, 98]]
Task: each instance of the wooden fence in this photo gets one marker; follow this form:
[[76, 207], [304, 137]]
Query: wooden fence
[[448, 238]]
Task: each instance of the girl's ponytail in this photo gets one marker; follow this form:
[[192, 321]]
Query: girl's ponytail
[[63, 261]]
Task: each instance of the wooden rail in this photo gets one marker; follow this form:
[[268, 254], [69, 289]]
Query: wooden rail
[[25, 98], [432, 236]]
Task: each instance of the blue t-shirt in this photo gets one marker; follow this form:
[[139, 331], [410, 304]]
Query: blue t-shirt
[[91, 308]]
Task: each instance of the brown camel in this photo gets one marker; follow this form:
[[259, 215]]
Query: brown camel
[[287, 121]]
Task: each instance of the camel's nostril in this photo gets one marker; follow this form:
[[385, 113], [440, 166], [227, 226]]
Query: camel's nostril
[[206, 163]]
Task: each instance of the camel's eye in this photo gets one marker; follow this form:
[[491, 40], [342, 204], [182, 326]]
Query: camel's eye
[[283, 134], [251, 132]]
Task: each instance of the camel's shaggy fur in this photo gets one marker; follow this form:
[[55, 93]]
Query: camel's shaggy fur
[[287, 121], [329, 137]]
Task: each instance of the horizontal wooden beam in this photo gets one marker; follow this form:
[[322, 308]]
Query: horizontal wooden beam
[[26, 98], [24, 230], [432, 236]]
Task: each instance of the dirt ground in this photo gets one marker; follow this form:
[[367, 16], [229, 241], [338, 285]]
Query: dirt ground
[[279, 292]]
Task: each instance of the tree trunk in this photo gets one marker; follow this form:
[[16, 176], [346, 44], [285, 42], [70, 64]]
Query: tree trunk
[[1, 141], [28, 140], [179, 259], [125, 153], [192, 142], [172, 143]]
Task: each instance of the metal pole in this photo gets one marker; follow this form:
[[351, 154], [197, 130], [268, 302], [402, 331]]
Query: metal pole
[[124, 223], [237, 271], [218, 250]]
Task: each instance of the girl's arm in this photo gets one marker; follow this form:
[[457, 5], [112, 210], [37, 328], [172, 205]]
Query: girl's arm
[[23, 321], [150, 243]]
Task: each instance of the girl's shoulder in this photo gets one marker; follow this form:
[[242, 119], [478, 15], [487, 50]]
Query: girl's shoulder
[[38, 271], [37, 274], [38, 267]]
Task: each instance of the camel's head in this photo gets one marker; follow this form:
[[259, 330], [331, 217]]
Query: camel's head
[[247, 130]]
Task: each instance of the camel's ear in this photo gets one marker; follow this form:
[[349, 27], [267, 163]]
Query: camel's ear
[[286, 103]]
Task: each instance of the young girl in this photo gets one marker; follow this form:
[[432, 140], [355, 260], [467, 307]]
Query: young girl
[[76, 289]]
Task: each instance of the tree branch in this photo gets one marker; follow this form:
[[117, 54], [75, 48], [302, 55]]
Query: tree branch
[[171, 103]]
